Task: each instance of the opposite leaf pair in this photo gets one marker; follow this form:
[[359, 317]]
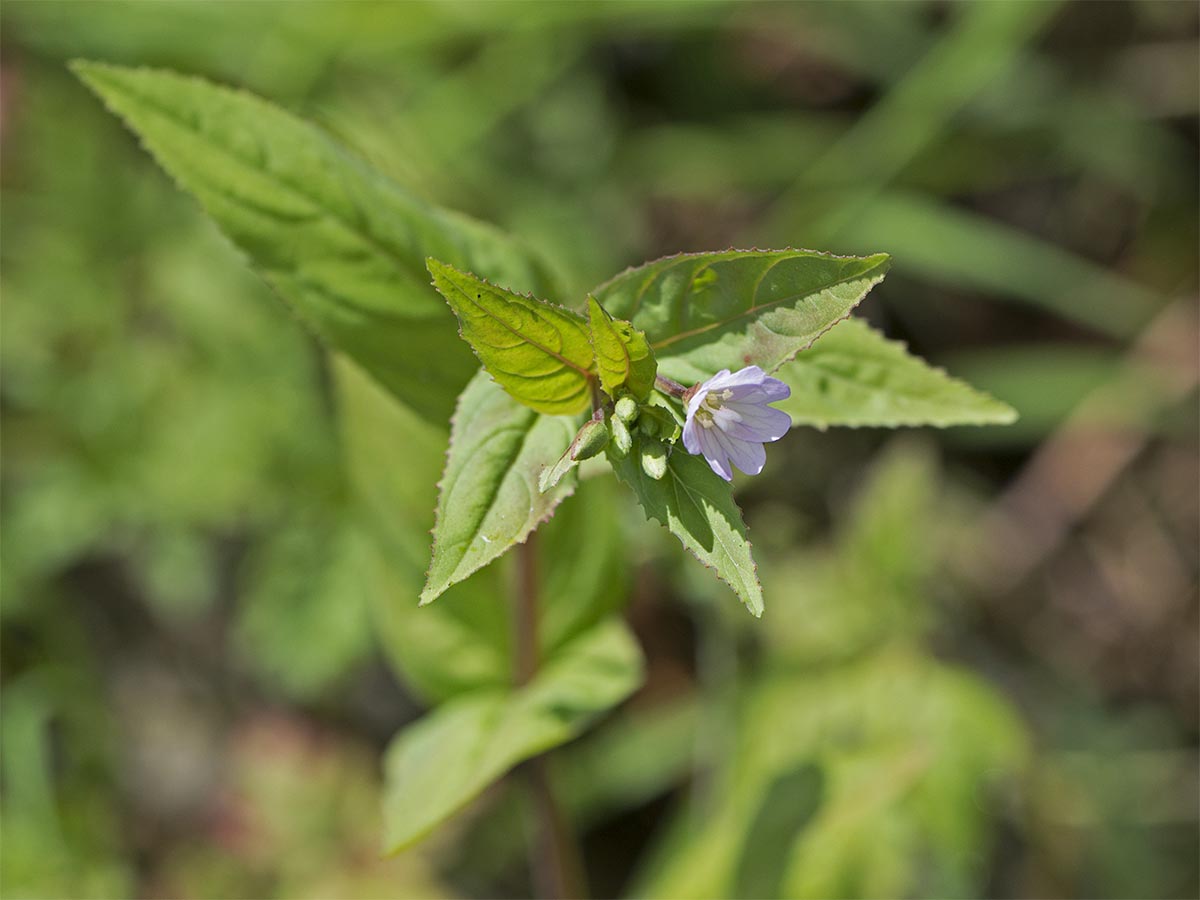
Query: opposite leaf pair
[[738, 306]]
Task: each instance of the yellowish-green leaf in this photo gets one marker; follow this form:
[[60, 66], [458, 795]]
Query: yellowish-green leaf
[[539, 352], [624, 359]]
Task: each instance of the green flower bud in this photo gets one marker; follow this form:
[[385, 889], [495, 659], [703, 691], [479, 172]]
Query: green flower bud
[[654, 459], [657, 422], [591, 439], [627, 410], [622, 440]]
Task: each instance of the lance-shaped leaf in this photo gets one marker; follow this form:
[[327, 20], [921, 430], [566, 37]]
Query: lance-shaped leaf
[[697, 507], [438, 765], [624, 359], [703, 312], [342, 244], [537, 351], [489, 496], [855, 376]]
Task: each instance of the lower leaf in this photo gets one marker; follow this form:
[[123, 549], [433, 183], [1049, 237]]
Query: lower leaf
[[438, 765]]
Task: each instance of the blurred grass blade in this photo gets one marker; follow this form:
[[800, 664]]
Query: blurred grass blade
[[982, 42], [961, 248]]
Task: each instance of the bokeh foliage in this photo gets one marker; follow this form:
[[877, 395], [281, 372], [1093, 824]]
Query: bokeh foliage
[[209, 551]]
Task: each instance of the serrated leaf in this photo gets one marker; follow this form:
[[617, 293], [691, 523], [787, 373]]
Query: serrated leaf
[[697, 507], [537, 351], [624, 359], [855, 376], [438, 765], [342, 244], [703, 312], [489, 497]]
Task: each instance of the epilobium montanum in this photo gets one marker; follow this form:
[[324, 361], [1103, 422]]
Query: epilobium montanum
[[565, 392]]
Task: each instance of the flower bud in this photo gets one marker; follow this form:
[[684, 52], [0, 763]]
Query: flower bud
[[627, 410], [622, 440], [654, 459], [591, 439]]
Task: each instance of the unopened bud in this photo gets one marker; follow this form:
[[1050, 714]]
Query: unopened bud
[[590, 440], [622, 440], [654, 459], [627, 410]]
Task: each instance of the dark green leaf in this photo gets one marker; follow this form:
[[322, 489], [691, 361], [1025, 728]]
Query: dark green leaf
[[697, 507], [703, 312]]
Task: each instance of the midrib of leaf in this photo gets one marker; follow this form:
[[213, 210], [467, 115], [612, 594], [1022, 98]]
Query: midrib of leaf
[[753, 309], [523, 338], [192, 128]]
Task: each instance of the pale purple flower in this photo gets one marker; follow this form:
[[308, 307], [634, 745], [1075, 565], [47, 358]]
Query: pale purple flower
[[728, 419]]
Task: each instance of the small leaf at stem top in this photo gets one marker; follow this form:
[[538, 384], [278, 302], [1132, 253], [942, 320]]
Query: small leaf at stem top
[[539, 352], [624, 359]]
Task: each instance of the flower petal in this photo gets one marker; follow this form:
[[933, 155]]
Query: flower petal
[[691, 436], [752, 422], [715, 452], [749, 456], [750, 376]]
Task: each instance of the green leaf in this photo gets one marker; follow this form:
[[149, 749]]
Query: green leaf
[[703, 312], [463, 642], [855, 376], [489, 496], [537, 351], [697, 507], [438, 765], [623, 357], [343, 245]]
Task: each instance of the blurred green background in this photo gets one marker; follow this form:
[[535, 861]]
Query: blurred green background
[[977, 674]]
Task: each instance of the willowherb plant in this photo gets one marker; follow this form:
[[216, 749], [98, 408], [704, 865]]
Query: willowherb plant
[[670, 375]]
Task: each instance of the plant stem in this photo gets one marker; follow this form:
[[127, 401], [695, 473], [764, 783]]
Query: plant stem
[[555, 862], [669, 386]]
